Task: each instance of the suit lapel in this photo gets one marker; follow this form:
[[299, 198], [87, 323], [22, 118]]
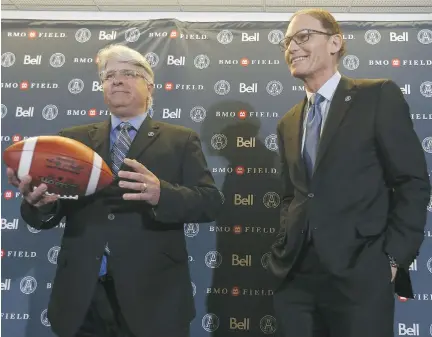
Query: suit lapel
[[296, 130], [100, 137], [340, 104], [147, 134]]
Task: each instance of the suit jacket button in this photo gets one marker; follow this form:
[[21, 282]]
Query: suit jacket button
[[302, 231], [311, 195], [111, 216]]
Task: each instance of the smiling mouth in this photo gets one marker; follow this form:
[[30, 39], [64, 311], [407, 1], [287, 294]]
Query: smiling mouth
[[298, 59]]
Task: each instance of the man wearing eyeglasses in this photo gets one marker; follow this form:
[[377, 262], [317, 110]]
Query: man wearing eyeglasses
[[356, 190], [122, 270]]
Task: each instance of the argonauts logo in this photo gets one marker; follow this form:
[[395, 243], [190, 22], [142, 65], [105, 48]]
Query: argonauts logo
[[191, 229], [44, 318], [28, 285], [351, 62], [210, 322], [213, 259], [372, 36], [426, 89], [427, 144]]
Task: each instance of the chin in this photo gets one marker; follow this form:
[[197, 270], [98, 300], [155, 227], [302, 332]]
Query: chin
[[297, 73], [301, 71]]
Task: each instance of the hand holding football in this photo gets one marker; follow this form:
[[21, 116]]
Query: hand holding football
[[68, 168]]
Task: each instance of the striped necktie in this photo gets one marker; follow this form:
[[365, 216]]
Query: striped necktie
[[118, 154], [313, 132], [121, 147]]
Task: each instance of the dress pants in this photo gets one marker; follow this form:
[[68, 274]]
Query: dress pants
[[312, 303], [104, 317]]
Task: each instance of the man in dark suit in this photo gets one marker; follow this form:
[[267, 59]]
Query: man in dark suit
[[122, 270], [355, 194]]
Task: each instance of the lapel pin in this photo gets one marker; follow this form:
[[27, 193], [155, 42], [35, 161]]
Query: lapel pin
[[348, 98], [151, 134]]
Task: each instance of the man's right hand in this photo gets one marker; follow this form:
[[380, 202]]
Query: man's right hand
[[37, 197]]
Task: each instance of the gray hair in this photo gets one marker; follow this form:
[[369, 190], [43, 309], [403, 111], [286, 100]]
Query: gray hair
[[122, 53]]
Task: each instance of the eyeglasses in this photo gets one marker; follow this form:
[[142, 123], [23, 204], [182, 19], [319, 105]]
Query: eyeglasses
[[300, 38], [123, 73]]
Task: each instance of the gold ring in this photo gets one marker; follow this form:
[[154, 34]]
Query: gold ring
[[144, 188]]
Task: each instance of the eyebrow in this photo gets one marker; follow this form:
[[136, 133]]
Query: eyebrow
[[297, 32]]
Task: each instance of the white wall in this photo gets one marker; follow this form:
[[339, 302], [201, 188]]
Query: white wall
[[199, 16]]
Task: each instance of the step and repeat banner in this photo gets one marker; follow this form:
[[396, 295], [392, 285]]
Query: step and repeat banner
[[229, 82]]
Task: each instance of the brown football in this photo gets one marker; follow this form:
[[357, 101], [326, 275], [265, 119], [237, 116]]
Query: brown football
[[69, 168]]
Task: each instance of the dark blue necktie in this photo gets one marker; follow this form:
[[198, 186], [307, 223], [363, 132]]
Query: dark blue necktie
[[118, 154], [313, 131]]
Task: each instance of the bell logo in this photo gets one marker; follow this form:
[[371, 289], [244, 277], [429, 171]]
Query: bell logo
[[246, 201], [248, 88], [9, 225], [21, 112], [246, 142], [242, 262], [32, 61], [166, 113], [5, 285], [405, 330], [103, 35], [250, 38], [181, 61], [406, 89], [239, 325], [97, 86], [394, 37]]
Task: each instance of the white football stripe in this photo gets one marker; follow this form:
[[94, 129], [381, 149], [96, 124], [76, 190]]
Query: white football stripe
[[26, 157], [95, 174]]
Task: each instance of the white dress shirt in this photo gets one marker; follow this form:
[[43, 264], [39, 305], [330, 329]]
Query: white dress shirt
[[327, 91]]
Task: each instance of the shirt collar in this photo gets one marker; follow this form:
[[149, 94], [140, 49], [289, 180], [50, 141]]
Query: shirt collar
[[329, 87], [135, 121]]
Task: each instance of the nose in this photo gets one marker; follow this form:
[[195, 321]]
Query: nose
[[292, 47], [117, 80]]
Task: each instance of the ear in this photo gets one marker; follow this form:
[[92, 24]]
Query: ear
[[150, 88], [335, 43]]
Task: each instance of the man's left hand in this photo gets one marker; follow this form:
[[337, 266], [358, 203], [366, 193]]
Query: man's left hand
[[143, 181], [394, 271]]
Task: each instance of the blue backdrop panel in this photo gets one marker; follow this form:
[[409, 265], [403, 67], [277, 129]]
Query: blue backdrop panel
[[229, 82]]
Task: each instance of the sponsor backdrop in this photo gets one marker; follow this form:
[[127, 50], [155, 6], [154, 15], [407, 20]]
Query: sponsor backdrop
[[229, 82]]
